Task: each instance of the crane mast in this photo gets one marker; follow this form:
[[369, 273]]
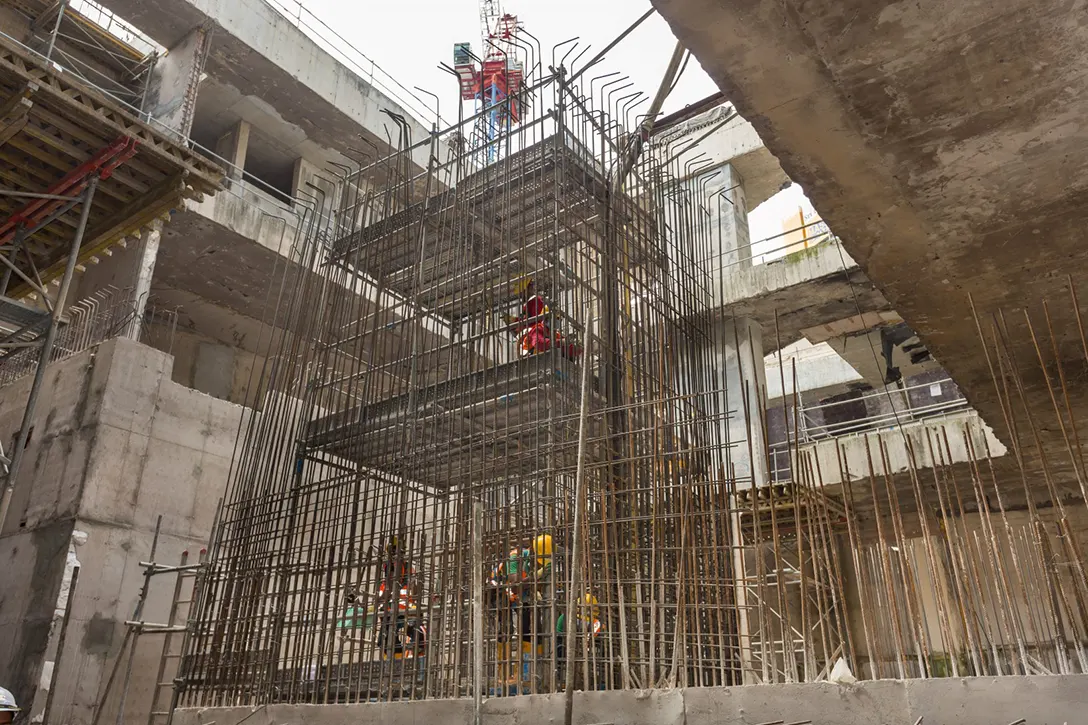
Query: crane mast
[[493, 78]]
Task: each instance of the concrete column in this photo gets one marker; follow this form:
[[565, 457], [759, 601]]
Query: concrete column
[[307, 173], [175, 80], [730, 211], [146, 255], [738, 380], [739, 358], [741, 379], [233, 146], [731, 245]]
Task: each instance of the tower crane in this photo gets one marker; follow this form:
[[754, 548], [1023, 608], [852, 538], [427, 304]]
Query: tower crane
[[494, 78]]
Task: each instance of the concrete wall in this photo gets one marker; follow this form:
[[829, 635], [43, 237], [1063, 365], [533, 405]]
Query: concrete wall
[[116, 444], [975, 701], [261, 53], [212, 367]]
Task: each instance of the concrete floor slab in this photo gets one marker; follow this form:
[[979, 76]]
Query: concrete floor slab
[[1042, 700], [944, 143]]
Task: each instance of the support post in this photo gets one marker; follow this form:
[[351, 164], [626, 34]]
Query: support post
[[47, 352], [145, 271], [573, 591], [740, 592], [61, 8], [17, 244], [739, 352], [233, 147]]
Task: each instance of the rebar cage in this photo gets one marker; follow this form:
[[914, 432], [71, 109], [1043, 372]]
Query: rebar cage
[[467, 334]]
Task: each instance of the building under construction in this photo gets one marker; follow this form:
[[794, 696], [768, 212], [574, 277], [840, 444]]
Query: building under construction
[[511, 445], [506, 419], [524, 390]]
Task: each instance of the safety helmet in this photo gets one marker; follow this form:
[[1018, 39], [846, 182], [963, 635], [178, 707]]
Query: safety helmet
[[523, 285], [590, 602], [542, 547], [392, 545], [7, 701]]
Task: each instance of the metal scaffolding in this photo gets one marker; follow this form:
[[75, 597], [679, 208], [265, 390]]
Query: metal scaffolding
[[493, 456]]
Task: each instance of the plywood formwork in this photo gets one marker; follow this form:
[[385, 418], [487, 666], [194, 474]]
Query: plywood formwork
[[52, 125]]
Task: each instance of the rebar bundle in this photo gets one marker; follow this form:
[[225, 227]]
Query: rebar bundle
[[466, 335]]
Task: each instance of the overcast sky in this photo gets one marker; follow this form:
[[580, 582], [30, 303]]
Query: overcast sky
[[409, 38]]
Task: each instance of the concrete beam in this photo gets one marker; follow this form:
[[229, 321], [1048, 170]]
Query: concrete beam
[[259, 52], [736, 143], [856, 452], [171, 94], [806, 289]]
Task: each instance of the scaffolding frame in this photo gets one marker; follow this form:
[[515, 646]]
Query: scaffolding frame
[[81, 173]]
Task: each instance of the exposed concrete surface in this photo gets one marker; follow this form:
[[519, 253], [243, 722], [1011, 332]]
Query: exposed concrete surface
[[116, 444], [259, 52], [917, 441], [818, 367], [1042, 700], [806, 289], [945, 143], [174, 82], [735, 143]]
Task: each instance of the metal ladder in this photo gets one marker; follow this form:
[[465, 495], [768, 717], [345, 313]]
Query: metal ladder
[[173, 644]]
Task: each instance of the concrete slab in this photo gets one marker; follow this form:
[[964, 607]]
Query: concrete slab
[[807, 288], [945, 143], [1043, 700], [259, 52]]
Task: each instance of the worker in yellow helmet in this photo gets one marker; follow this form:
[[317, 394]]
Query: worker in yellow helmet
[[514, 588], [587, 621]]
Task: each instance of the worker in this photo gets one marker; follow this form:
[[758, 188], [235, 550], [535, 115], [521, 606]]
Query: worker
[[532, 331], [587, 622], [8, 708], [891, 338], [400, 630], [530, 328], [398, 575], [514, 588]]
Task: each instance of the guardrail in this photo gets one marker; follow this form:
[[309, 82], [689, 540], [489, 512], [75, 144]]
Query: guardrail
[[808, 429], [124, 31]]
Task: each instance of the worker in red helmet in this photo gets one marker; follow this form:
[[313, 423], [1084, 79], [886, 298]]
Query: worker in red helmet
[[531, 327]]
